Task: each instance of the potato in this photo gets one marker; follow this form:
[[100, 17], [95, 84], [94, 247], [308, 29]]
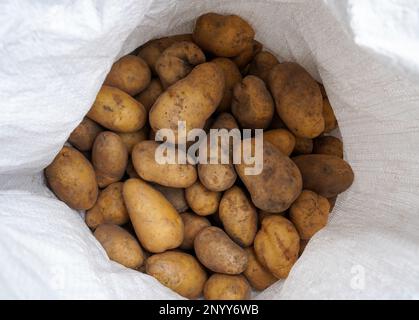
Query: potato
[[72, 178], [192, 99], [332, 202], [169, 175], [84, 135], [326, 175], [223, 35], [303, 146], [239, 216], [309, 213], [282, 139], [232, 76], [156, 222], [322, 90], [216, 251], [328, 145], [177, 61], [120, 245], [257, 275], [279, 183], [130, 170], [109, 158], [178, 271], [225, 121], [246, 56], [176, 196], [150, 94], [262, 64], [330, 122], [303, 244], [201, 200], [263, 214], [130, 74], [226, 287], [117, 111], [277, 123], [252, 104], [130, 139], [298, 99], [109, 207], [277, 245], [193, 225]]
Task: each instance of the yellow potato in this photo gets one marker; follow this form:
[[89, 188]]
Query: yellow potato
[[282, 139], [176, 196], [130, 139], [84, 135], [328, 145], [303, 146], [330, 122], [257, 275], [226, 287], [201, 200], [150, 94], [246, 56], [262, 64], [193, 225]]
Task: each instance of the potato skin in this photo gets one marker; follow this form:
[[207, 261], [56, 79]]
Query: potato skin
[[303, 146], [131, 74], [178, 271], [193, 225], [328, 145], [257, 275], [326, 175], [309, 213], [120, 245], [109, 158], [201, 200], [330, 122], [150, 94], [117, 111], [226, 287], [169, 175], [130, 139], [298, 99], [216, 251], [176, 196], [282, 139], [156, 222], [72, 178], [84, 134], [246, 56], [239, 216], [277, 245], [223, 35], [262, 65]]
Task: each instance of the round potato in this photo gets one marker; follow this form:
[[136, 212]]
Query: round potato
[[262, 64], [72, 178], [298, 99], [84, 135], [193, 225], [282, 139], [257, 275], [303, 146], [109, 158], [150, 94], [239, 216], [131, 74], [226, 287], [117, 111], [156, 222], [277, 245], [201, 200], [246, 56], [120, 245], [178, 271], [330, 122], [328, 145], [176, 196], [130, 139], [216, 251]]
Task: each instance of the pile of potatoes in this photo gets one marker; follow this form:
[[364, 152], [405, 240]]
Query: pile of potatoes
[[205, 229]]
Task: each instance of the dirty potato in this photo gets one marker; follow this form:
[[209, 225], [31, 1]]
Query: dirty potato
[[150, 94], [303, 146], [130, 139], [262, 64], [258, 276], [176, 196], [328, 145], [330, 122], [201, 200], [84, 135], [193, 224], [246, 56], [226, 287], [282, 139]]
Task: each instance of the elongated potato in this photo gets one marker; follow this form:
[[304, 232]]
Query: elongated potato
[[193, 225], [298, 99], [226, 287], [258, 276], [216, 251], [178, 271], [303, 146], [72, 178], [239, 216], [328, 145], [120, 245], [277, 245], [156, 222], [326, 175], [282, 139], [201, 200], [117, 111], [262, 64], [130, 139], [150, 94], [169, 175], [330, 122], [246, 56], [176, 196], [84, 135]]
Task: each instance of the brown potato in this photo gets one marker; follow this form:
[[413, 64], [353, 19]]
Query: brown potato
[[226, 287], [130, 170], [282, 139], [328, 145], [178, 271], [263, 214], [326, 175], [130, 139], [330, 122], [109, 207], [201, 200], [176, 196], [262, 64], [225, 121], [303, 146], [117, 111], [332, 202], [84, 135], [277, 245], [223, 35], [298, 99], [216, 251], [258, 276], [169, 175], [252, 104], [247, 55], [277, 123], [193, 225], [72, 178], [156, 222], [303, 245], [150, 94], [239, 216], [322, 90], [130, 74], [109, 158], [120, 245]]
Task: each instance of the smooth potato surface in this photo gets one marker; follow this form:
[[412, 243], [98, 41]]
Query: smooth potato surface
[[193, 225], [84, 135], [226, 287]]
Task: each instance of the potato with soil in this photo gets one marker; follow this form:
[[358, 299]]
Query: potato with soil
[[216, 251], [226, 287], [298, 99], [282, 139], [262, 65], [120, 245], [84, 135], [178, 271], [201, 200], [130, 139], [330, 122], [72, 178], [150, 94], [117, 111], [277, 245], [303, 146], [156, 222], [328, 145], [176, 196], [246, 56], [193, 224], [258, 276]]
